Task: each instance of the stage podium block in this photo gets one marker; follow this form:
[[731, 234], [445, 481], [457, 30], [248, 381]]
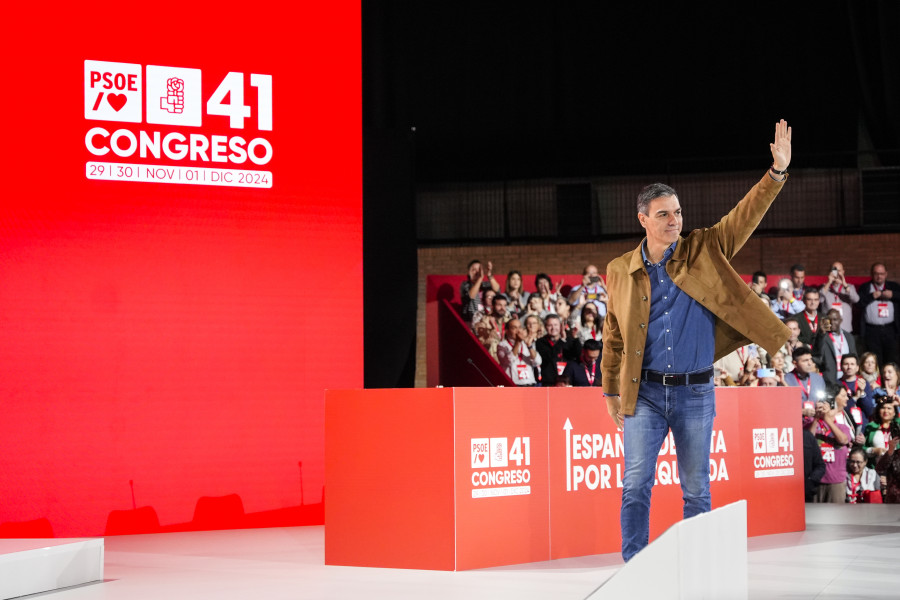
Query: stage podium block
[[445, 479], [466, 478], [31, 566]]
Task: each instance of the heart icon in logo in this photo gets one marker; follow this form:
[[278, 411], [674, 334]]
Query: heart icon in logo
[[479, 457], [117, 101]]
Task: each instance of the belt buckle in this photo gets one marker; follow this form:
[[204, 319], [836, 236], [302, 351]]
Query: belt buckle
[[667, 377]]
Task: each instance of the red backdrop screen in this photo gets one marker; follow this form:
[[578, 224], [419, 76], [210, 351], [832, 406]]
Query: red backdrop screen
[[180, 262]]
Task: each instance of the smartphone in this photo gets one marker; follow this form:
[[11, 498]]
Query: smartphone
[[595, 279], [765, 373]]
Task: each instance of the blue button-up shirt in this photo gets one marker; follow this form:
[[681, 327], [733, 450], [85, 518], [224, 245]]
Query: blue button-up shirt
[[681, 332]]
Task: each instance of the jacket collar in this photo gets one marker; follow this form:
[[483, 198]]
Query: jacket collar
[[637, 260]]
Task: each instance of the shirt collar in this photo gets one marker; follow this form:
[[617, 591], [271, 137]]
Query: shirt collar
[[666, 255]]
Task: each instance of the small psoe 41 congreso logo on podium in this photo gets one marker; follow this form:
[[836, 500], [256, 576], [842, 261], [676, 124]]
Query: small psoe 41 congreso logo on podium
[[117, 92], [500, 468], [773, 452]]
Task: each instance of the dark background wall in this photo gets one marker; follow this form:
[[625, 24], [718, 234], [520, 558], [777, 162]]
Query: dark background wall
[[502, 90]]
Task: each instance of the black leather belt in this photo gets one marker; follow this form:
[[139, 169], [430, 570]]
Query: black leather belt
[[670, 379]]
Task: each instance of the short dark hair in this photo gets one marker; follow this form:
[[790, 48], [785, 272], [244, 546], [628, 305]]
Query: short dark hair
[[551, 316], [801, 351], [540, 276], [591, 345], [797, 267], [757, 275], [472, 262], [499, 297], [808, 291], [650, 193], [850, 355]]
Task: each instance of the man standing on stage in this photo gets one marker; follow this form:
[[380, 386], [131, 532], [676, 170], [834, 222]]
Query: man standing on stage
[[675, 306]]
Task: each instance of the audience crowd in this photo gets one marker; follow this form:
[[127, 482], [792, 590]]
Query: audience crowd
[[842, 353]]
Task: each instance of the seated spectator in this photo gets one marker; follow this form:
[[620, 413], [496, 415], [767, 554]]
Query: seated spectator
[[883, 427], [808, 319], [517, 295], [831, 344], [804, 376], [759, 284], [543, 285], [869, 370], [834, 441], [862, 395], [517, 356], [485, 307], [590, 290], [785, 304], [838, 294], [890, 380], [490, 326], [556, 349], [478, 279], [591, 325], [863, 483], [585, 372]]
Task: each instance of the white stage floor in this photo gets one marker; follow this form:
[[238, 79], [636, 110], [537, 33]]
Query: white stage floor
[[846, 552]]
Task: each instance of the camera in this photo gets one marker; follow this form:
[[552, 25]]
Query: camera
[[595, 279]]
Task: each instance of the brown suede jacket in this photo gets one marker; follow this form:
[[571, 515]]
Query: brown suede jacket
[[700, 266]]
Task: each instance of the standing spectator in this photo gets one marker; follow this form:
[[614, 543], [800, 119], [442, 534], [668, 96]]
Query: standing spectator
[[878, 323], [759, 284], [863, 483], [831, 344], [534, 326], [838, 294], [804, 376], [555, 349], [834, 443], [517, 295], [586, 371], [813, 465], [785, 304], [808, 320], [517, 356], [888, 466], [798, 281], [590, 290], [548, 296], [478, 279], [792, 344], [868, 369], [490, 326], [862, 394]]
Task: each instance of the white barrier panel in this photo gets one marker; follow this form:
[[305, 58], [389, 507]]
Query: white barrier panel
[[38, 565], [701, 557]]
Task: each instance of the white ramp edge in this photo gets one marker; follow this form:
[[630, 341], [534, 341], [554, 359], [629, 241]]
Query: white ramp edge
[[702, 557], [41, 565]]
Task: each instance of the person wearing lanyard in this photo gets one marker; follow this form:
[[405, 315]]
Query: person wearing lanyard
[[861, 392], [584, 373], [808, 320], [878, 325], [835, 439], [832, 343], [675, 306], [804, 376]]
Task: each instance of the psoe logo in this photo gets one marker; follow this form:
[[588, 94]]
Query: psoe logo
[[775, 448], [500, 468]]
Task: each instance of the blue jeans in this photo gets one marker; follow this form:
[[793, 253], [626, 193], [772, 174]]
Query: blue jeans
[[689, 411]]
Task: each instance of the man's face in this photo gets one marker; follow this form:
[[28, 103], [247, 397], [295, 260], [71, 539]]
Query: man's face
[[553, 328], [591, 356], [768, 382], [591, 271], [804, 364], [797, 278], [879, 274], [839, 267], [758, 285], [811, 300], [835, 318], [850, 367], [512, 329], [795, 329], [500, 306], [663, 221]]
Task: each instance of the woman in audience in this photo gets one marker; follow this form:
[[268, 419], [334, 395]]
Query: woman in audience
[[781, 366], [565, 314], [543, 285], [863, 483], [518, 297], [890, 379], [534, 307], [534, 326], [868, 369], [883, 427], [591, 326]]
